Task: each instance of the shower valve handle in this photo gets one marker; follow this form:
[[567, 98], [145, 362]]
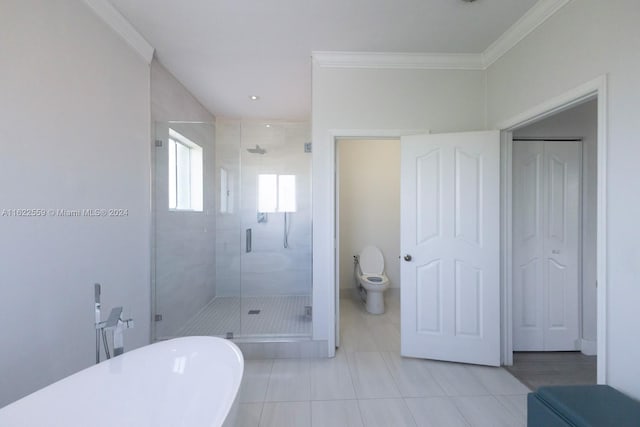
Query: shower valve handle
[[407, 257]]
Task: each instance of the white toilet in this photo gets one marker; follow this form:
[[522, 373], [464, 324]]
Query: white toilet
[[370, 275]]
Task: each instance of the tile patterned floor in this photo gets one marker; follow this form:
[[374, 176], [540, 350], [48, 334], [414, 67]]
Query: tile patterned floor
[[369, 384], [279, 316]]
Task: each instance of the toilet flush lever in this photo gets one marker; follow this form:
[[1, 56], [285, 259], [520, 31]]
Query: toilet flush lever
[[407, 257]]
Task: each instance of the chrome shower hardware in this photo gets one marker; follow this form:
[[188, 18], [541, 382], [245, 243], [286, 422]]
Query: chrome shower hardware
[[114, 324]]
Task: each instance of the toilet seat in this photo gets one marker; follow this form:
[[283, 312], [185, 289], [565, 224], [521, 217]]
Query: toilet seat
[[371, 261], [375, 279]]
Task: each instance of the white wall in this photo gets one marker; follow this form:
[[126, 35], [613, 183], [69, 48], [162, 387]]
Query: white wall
[[374, 101], [583, 40], [369, 203], [74, 119], [580, 121], [171, 101], [184, 267]]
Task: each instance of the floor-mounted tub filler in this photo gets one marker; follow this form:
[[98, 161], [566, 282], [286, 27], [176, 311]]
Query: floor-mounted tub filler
[[192, 381]]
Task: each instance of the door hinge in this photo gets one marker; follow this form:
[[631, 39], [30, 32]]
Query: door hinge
[[158, 143], [157, 317]]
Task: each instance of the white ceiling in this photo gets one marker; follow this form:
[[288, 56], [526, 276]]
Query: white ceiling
[[225, 50]]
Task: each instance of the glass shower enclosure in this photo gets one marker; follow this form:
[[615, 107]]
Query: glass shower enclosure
[[232, 230]]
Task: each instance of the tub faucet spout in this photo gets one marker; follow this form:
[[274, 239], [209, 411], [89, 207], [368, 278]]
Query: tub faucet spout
[[118, 335], [117, 325], [114, 324]]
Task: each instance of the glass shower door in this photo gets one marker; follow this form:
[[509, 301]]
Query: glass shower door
[[184, 225], [276, 230], [232, 230]]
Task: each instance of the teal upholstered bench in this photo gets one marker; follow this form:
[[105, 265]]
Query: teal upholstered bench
[[581, 406]]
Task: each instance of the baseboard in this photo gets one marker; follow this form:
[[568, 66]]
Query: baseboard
[[589, 347]]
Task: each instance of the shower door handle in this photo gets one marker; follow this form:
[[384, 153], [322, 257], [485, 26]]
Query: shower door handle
[[247, 245]]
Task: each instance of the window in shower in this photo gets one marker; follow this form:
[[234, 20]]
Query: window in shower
[[185, 173], [276, 193]]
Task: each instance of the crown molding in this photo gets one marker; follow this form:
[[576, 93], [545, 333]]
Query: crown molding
[[122, 27], [531, 20], [411, 61], [524, 26]]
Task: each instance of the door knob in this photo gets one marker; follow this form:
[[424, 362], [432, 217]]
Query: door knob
[[407, 257]]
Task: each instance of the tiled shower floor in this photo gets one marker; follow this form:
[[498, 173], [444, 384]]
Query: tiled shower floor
[[278, 316]]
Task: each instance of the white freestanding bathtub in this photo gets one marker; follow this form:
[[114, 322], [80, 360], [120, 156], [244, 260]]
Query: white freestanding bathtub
[[188, 382]]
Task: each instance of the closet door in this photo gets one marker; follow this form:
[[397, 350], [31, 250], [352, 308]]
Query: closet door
[[528, 240], [546, 226]]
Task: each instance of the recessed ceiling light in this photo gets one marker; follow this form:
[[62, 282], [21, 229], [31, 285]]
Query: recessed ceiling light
[[254, 97], [267, 125]]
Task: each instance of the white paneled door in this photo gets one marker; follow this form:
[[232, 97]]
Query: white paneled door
[[450, 229], [546, 227]]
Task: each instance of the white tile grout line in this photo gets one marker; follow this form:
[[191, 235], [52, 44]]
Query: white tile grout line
[[505, 406], [404, 402]]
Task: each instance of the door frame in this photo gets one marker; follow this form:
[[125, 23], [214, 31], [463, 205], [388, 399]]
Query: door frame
[[335, 135], [594, 89]]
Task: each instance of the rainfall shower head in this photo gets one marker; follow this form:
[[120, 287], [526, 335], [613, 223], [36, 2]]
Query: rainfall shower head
[[257, 150]]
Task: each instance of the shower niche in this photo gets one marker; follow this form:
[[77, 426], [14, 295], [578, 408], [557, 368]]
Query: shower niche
[[232, 230]]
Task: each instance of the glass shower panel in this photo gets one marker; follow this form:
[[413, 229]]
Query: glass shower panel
[[232, 230], [184, 221], [275, 213], [228, 225]]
